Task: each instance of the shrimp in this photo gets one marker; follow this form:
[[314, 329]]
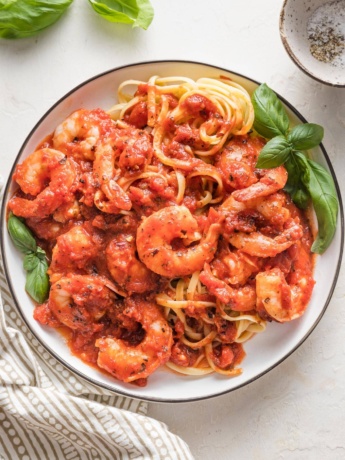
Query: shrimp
[[272, 181], [273, 208], [80, 301], [111, 197], [75, 250], [242, 233], [233, 266], [263, 213], [32, 176], [285, 298], [158, 233], [257, 244], [125, 267], [240, 299], [127, 153], [237, 161], [79, 134], [129, 362], [237, 166]]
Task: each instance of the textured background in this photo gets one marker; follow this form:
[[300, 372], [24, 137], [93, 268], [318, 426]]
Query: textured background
[[297, 411]]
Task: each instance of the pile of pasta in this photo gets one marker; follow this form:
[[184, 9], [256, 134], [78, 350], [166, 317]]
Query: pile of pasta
[[166, 245]]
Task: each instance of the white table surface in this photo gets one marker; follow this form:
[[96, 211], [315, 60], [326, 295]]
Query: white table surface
[[297, 411]]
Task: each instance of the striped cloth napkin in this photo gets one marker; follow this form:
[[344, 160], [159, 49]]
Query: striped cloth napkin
[[47, 412]]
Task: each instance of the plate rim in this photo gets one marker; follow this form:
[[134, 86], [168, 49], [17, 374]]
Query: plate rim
[[124, 392]]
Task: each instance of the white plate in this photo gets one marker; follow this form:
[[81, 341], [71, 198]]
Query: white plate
[[264, 351]]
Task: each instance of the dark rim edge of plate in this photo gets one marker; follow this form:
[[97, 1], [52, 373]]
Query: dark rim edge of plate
[[105, 386]]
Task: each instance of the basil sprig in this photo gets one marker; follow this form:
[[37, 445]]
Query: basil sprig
[[139, 13], [24, 18], [35, 261], [306, 179]]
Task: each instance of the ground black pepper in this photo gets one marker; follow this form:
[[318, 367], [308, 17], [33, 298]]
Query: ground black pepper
[[326, 33]]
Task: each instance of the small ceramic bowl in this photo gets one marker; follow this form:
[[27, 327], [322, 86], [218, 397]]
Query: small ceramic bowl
[[313, 33]]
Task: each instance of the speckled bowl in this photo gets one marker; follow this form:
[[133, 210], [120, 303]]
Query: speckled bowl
[[305, 36]]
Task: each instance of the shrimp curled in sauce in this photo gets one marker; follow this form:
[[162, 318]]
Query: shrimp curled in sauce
[[285, 297], [272, 181], [111, 197], [74, 251], [240, 298], [79, 301], [274, 209], [236, 162], [132, 362], [257, 244], [125, 267], [157, 233], [78, 135], [33, 174]]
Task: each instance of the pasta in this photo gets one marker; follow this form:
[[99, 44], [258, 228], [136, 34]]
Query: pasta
[[166, 245]]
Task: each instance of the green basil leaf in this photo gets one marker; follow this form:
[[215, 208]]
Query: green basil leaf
[[301, 198], [320, 185], [271, 118], [139, 13], [21, 236], [30, 262], [305, 136], [37, 282], [293, 175], [274, 153], [23, 18], [294, 185], [40, 253]]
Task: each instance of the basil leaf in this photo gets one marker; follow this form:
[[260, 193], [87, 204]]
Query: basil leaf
[[30, 262], [40, 253], [293, 180], [139, 13], [301, 198], [274, 153], [305, 136], [35, 261], [294, 186], [23, 18], [271, 118], [37, 281], [21, 236], [320, 185]]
